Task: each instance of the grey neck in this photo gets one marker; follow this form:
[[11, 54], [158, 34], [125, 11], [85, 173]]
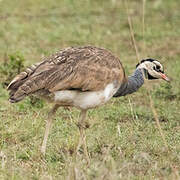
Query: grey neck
[[135, 81]]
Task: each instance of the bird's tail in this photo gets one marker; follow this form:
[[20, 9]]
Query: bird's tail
[[20, 86]]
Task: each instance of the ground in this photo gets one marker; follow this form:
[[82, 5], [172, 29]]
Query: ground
[[124, 140]]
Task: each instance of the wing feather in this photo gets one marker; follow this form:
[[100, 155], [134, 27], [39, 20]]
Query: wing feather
[[85, 68]]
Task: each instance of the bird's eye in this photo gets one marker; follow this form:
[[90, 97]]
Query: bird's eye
[[157, 68]]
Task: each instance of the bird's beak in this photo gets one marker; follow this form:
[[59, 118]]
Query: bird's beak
[[164, 77]]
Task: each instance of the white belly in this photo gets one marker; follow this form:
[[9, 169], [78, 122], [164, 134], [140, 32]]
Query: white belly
[[85, 100]]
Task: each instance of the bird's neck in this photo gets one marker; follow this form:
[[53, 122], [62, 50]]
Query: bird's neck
[[132, 84]]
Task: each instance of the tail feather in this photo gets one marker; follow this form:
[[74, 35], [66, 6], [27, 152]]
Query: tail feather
[[17, 81], [19, 85]]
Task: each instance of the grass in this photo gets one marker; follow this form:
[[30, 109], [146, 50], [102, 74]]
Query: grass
[[123, 139]]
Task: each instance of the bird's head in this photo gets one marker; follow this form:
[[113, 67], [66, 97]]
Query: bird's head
[[153, 69]]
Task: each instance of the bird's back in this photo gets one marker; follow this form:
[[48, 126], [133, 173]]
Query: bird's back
[[76, 68]]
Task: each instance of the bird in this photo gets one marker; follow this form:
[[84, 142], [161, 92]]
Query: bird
[[82, 77]]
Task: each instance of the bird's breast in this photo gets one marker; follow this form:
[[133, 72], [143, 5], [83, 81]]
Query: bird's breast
[[86, 99]]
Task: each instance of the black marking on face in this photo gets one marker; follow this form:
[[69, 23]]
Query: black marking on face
[[148, 76], [157, 68], [144, 60]]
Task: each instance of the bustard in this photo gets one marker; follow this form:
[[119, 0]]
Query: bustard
[[82, 77]]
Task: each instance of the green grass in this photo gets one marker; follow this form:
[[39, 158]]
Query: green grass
[[123, 139]]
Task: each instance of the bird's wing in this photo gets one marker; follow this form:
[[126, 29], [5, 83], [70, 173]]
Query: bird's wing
[[82, 76], [85, 69]]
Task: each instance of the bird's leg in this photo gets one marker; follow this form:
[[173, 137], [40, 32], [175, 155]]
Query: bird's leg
[[82, 137], [48, 126]]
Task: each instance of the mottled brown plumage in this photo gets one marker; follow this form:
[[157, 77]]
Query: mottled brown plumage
[[83, 68], [83, 77]]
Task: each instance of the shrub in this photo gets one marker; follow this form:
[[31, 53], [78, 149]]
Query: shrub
[[12, 65]]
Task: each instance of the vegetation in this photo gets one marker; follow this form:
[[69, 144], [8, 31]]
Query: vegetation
[[124, 141]]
